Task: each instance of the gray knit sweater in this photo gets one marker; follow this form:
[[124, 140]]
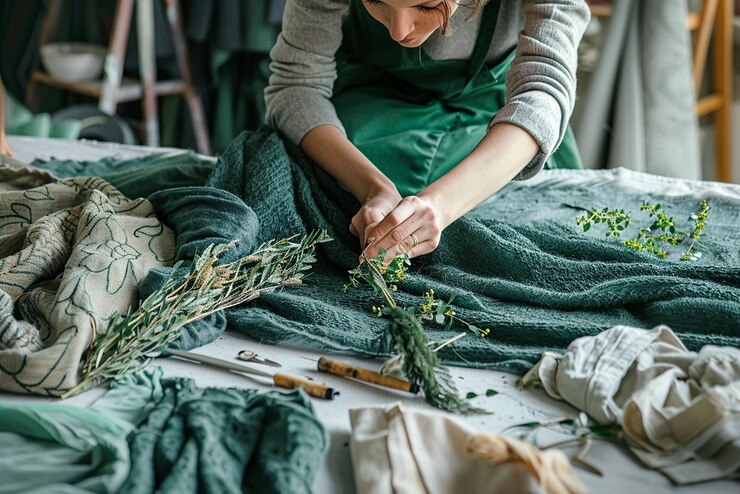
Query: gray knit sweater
[[540, 87]]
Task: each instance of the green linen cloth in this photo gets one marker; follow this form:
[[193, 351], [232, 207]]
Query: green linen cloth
[[51, 448], [226, 441], [517, 264]]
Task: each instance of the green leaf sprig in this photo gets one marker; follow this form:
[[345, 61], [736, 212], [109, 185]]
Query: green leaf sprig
[[132, 341], [407, 336]]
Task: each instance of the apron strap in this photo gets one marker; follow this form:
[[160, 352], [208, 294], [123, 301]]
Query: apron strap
[[485, 36]]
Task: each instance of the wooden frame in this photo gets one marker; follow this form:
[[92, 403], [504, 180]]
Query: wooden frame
[[114, 88]]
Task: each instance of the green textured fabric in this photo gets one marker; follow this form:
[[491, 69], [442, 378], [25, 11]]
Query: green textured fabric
[[427, 115], [225, 440], [51, 448], [517, 264]]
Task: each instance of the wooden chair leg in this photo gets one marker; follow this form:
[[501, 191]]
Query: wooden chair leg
[[702, 38], [113, 66], [722, 65], [34, 88], [147, 62], [195, 105]]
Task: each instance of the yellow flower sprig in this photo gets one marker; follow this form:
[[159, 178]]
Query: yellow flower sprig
[[656, 238]]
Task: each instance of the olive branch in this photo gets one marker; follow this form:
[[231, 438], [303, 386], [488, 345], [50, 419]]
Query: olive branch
[[132, 341]]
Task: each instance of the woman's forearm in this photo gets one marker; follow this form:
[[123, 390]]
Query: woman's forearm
[[497, 159], [2, 110], [330, 148]]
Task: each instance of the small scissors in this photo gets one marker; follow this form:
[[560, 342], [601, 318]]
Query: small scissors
[[250, 356]]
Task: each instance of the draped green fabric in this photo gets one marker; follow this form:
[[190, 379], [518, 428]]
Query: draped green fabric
[[153, 434], [517, 264]]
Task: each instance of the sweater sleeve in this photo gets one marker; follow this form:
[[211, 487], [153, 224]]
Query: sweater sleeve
[[303, 68], [541, 84]]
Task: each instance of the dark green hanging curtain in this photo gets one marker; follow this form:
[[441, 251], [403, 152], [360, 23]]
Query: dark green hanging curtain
[[229, 42]]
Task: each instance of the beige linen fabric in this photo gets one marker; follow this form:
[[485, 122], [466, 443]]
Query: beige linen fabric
[[406, 451], [680, 410], [71, 254]]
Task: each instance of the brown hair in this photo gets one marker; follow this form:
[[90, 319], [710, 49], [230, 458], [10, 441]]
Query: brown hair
[[473, 6]]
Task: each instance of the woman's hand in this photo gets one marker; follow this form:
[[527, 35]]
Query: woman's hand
[[4, 148], [414, 226], [378, 204]]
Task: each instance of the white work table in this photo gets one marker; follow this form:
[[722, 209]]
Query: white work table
[[623, 472]]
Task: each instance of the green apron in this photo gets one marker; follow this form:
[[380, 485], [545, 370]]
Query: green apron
[[416, 118]]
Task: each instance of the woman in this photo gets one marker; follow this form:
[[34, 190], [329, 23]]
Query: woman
[[425, 108]]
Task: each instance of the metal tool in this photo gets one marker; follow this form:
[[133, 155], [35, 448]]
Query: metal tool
[[281, 380], [250, 356], [344, 369]]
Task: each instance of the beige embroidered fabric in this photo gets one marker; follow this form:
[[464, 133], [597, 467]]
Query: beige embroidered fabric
[[407, 451], [71, 254], [680, 410]]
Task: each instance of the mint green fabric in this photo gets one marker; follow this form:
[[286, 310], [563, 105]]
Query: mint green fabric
[[52, 448], [226, 441], [517, 264]]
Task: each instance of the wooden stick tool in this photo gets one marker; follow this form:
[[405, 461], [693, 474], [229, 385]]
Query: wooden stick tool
[[344, 369], [280, 380]]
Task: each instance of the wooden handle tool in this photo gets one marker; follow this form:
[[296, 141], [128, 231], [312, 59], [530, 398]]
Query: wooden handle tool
[[314, 389], [280, 380], [344, 369]]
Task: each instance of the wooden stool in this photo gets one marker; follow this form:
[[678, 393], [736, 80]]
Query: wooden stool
[[114, 88]]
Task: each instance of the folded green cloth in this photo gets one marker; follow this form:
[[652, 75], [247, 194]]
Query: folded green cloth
[[226, 441], [517, 264]]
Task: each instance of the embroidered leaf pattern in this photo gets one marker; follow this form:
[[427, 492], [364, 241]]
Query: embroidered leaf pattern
[[80, 263]]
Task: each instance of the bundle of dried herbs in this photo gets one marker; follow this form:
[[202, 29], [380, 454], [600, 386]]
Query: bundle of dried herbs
[[133, 340], [408, 339]]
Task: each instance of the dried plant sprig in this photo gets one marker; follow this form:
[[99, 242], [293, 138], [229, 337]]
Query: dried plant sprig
[[132, 341], [654, 239], [407, 336], [441, 312]]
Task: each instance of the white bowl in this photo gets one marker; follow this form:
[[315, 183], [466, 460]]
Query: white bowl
[[73, 62]]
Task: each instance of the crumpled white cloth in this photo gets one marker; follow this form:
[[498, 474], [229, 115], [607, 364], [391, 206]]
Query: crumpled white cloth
[[680, 410], [407, 451]]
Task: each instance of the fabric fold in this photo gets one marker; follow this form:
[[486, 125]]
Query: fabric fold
[[408, 451], [679, 410], [72, 252]]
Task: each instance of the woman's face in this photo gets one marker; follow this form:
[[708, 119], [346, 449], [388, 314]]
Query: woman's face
[[409, 22]]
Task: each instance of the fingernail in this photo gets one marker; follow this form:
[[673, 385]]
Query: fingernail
[[369, 241]]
